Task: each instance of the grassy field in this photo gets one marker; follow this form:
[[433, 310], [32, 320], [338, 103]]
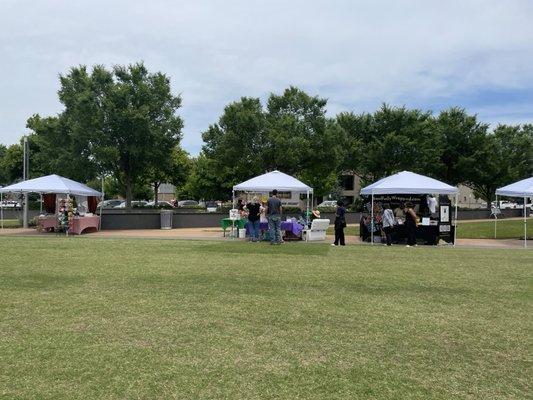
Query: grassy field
[[506, 229], [85, 318], [12, 223]]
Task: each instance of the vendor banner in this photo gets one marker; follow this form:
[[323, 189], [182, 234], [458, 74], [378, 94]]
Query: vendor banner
[[399, 198]]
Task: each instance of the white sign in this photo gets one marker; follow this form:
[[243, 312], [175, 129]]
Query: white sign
[[444, 228], [234, 214], [444, 213]]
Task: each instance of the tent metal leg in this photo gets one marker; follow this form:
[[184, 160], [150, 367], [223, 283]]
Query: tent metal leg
[[525, 223], [496, 217], [101, 207], [372, 221], [456, 225], [307, 211]]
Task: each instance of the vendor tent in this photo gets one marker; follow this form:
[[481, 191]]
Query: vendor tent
[[406, 182], [51, 184], [273, 180], [524, 189]]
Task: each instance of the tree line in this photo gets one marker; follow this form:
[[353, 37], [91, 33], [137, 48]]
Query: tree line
[[123, 124]]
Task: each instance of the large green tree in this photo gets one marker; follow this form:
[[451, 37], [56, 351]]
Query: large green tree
[[234, 146], [390, 140], [173, 170], [301, 140], [11, 164], [204, 182], [501, 158], [125, 118], [54, 150], [463, 140], [292, 134]]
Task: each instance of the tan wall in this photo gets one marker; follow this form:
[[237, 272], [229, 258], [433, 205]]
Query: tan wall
[[467, 199]]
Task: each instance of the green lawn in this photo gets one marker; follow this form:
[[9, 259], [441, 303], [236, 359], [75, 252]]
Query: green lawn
[[87, 318], [506, 229], [12, 223]]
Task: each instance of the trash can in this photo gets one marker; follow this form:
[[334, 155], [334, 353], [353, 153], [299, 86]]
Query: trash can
[[166, 219]]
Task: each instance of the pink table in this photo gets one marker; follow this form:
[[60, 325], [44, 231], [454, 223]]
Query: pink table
[[47, 223], [80, 224]]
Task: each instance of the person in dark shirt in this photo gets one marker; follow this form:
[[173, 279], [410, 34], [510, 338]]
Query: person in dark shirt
[[273, 214], [340, 224], [253, 209]]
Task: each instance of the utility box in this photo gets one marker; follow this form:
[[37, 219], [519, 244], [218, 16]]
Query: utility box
[[166, 219]]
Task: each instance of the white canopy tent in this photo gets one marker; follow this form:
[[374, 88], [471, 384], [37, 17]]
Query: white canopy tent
[[524, 189], [51, 184], [274, 180], [406, 182]]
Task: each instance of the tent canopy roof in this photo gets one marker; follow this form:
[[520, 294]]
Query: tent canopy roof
[[273, 180], [51, 184], [523, 188], [406, 182]]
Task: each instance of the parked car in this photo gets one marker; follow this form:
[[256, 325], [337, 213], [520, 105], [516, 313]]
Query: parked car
[[160, 204], [187, 203], [211, 206], [109, 203], [134, 204], [506, 205]]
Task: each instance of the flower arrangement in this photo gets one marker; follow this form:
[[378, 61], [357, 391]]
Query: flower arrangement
[[65, 214]]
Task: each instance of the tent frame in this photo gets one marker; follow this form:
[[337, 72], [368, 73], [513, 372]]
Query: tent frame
[[26, 192], [456, 197], [524, 218], [309, 198]]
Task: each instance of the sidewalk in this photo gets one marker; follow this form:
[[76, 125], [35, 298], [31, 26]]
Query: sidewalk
[[216, 234]]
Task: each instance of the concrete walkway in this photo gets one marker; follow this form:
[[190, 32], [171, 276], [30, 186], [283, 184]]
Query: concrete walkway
[[216, 234]]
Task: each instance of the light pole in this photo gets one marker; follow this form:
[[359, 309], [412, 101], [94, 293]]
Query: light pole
[[25, 169]]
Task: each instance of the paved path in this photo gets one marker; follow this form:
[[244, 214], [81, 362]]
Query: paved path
[[216, 234]]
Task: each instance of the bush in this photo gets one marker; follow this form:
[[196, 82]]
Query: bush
[[224, 209], [161, 206], [291, 210], [197, 207]]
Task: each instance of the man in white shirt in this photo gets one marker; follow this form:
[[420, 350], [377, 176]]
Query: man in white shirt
[[388, 223], [432, 204]]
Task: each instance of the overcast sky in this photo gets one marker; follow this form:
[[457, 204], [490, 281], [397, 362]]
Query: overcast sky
[[358, 54]]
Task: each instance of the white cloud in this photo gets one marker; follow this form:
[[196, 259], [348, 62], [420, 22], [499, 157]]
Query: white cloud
[[356, 53]]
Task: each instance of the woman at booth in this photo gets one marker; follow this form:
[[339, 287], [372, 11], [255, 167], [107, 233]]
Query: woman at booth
[[340, 224], [410, 224]]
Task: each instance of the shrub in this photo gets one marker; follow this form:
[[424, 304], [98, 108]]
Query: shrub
[[291, 210]]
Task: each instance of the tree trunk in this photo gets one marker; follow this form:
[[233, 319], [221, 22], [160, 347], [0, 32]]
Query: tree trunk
[[156, 194], [128, 192]]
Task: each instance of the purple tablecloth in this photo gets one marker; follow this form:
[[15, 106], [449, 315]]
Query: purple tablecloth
[[292, 226]]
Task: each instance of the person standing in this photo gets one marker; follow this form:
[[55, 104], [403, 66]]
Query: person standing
[[273, 213], [388, 223], [253, 208], [410, 224], [340, 224]]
